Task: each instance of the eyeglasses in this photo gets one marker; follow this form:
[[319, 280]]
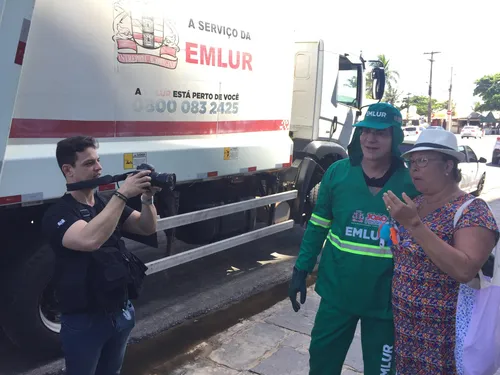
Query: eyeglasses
[[381, 133], [420, 162]]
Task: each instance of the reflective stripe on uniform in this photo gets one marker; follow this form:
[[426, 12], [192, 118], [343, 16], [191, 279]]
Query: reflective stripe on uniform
[[319, 221], [357, 248]]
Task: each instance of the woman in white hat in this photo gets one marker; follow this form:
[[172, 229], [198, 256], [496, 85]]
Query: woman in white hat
[[433, 257]]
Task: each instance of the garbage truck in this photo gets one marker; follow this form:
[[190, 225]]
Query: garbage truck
[[246, 116]]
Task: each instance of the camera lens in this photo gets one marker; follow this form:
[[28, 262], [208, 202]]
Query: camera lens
[[163, 180]]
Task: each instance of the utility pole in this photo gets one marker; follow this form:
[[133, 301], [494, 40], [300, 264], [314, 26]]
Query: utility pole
[[408, 109], [450, 115], [429, 107]]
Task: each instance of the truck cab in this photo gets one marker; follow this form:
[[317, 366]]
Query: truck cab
[[329, 93]]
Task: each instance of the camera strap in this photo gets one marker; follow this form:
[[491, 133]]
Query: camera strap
[[91, 184]]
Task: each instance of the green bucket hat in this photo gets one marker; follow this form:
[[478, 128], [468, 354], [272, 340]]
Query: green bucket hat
[[378, 116]]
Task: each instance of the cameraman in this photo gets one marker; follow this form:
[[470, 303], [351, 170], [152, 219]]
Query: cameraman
[[93, 271]]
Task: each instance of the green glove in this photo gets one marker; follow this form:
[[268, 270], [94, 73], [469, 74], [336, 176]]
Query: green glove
[[297, 284]]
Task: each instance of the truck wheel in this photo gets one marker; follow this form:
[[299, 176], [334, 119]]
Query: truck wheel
[[31, 318], [311, 201], [313, 195]]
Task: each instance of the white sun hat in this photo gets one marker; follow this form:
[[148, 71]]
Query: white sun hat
[[438, 140]]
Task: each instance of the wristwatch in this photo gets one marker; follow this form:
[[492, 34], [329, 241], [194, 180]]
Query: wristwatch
[[148, 201]]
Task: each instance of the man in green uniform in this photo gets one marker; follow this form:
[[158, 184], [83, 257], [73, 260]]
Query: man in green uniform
[[355, 271]]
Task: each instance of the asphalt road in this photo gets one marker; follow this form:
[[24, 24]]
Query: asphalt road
[[209, 284]]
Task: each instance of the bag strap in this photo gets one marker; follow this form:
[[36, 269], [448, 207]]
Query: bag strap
[[496, 268], [461, 210], [495, 280]]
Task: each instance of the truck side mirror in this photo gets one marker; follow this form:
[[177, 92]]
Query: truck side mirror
[[378, 86]]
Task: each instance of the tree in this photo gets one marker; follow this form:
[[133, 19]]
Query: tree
[[488, 89], [421, 102], [405, 104], [391, 78], [352, 82], [391, 95], [444, 105]]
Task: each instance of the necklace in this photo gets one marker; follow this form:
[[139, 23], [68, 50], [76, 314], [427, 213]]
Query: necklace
[[440, 203]]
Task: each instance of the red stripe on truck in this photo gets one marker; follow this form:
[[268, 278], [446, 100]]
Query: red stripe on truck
[[38, 128], [23, 38], [10, 200], [32, 128], [289, 164], [107, 187], [21, 48]]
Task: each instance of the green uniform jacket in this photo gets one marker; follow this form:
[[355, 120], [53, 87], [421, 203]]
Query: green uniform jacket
[[355, 272]]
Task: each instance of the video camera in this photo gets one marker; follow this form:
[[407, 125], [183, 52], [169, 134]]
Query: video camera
[[162, 180]]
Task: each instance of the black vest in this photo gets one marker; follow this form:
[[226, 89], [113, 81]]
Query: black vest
[[98, 281]]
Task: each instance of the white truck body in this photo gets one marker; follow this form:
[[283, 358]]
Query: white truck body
[[265, 116], [86, 71]]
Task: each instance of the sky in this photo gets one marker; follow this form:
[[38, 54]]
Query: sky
[[467, 36]]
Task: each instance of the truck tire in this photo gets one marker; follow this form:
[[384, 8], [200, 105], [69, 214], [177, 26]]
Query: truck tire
[[31, 319], [313, 195], [311, 201]]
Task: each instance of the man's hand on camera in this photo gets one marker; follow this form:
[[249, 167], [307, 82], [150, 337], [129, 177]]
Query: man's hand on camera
[[136, 184], [148, 194]]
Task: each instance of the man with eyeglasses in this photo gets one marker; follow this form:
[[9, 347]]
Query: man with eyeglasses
[[355, 271]]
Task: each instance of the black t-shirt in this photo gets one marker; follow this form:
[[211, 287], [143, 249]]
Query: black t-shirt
[[67, 211], [71, 265], [380, 182]]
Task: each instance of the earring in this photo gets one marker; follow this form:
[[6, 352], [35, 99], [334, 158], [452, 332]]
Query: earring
[[446, 174]]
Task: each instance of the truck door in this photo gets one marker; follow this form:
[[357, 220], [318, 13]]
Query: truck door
[[306, 90], [342, 92], [328, 90]]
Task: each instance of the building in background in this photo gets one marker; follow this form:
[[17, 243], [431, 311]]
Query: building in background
[[489, 121]]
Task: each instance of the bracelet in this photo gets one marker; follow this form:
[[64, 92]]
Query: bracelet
[[121, 196], [147, 202]]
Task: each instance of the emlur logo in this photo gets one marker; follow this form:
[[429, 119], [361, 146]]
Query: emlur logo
[[143, 36]]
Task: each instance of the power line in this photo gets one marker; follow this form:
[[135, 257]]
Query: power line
[[429, 107]]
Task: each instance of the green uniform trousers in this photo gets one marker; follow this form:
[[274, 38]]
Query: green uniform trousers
[[332, 336]]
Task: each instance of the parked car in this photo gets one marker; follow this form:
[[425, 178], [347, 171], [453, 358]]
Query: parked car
[[409, 130], [471, 131], [412, 130], [473, 168], [495, 157]]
